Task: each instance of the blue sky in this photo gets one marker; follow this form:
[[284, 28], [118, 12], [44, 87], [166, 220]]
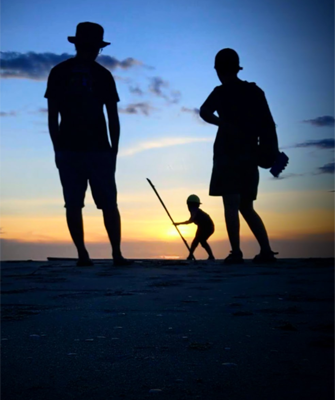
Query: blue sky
[[286, 47]]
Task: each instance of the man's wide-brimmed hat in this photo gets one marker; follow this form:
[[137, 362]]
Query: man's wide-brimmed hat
[[90, 34]]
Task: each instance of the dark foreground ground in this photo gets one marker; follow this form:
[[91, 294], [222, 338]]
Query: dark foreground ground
[[168, 330]]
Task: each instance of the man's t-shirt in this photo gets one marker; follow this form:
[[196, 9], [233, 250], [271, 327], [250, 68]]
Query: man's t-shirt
[[243, 106], [81, 90]]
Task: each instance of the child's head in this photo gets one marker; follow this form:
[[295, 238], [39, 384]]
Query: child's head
[[227, 63], [193, 201]]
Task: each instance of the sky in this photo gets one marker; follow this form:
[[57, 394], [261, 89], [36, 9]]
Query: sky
[[162, 58]]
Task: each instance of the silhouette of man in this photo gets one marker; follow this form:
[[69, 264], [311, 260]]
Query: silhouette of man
[[77, 90], [243, 119]]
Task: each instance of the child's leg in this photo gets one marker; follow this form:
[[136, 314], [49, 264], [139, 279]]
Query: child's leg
[[194, 245], [207, 247], [255, 224], [231, 206]]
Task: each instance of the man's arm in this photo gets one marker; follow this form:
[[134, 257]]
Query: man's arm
[[113, 124], [53, 111]]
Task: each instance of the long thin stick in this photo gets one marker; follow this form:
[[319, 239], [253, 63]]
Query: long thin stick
[[159, 198]]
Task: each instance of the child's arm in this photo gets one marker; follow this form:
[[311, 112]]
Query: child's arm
[[190, 221], [184, 223]]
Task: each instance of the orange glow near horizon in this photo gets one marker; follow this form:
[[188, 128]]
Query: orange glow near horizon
[[46, 229], [285, 216]]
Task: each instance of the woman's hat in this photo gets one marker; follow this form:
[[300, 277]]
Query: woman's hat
[[89, 33], [228, 60]]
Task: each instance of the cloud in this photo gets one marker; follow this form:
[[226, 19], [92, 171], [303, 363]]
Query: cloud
[[113, 63], [175, 96], [321, 144], [327, 168], [326, 120], [37, 66], [165, 142], [136, 90], [137, 108], [8, 113], [286, 176], [121, 78], [156, 86], [193, 111], [159, 87]]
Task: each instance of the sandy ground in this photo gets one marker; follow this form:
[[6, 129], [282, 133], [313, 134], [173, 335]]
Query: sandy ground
[[168, 330]]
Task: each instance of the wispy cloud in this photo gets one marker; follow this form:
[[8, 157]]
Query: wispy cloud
[[165, 142], [136, 90], [326, 120], [286, 176], [137, 108], [175, 96], [37, 66], [327, 168], [160, 88], [324, 144], [157, 85], [321, 144], [113, 63], [8, 113], [193, 111]]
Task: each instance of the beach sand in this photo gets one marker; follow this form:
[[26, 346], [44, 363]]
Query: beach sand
[[168, 330]]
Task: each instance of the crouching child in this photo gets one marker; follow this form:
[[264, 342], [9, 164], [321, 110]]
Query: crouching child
[[204, 223]]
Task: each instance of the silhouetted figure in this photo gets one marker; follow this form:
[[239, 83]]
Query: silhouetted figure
[[77, 90], [204, 223], [244, 123]]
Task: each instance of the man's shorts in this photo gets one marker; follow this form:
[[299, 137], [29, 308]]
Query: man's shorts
[[234, 178], [77, 168]]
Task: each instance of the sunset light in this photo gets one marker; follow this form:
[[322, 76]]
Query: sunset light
[[163, 75]]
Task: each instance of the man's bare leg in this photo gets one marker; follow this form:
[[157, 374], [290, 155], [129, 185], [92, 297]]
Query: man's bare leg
[[74, 218], [112, 222]]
